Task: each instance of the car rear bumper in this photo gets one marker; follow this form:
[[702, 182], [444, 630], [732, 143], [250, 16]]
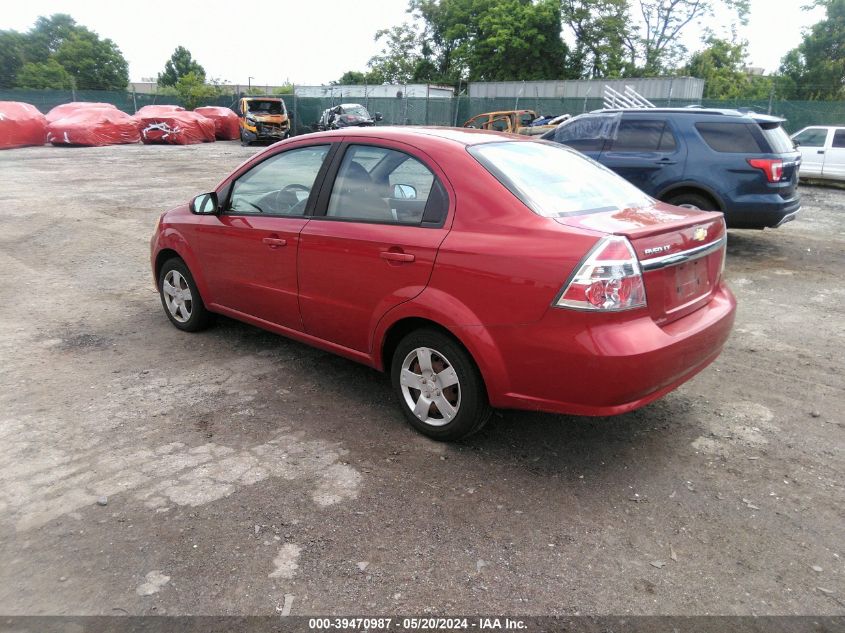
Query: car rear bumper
[[769, 213], [560, 365]]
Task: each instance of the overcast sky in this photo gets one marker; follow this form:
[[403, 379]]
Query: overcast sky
[[308, 43]]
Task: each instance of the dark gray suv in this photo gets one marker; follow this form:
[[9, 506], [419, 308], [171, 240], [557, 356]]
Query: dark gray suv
[[740, 163]]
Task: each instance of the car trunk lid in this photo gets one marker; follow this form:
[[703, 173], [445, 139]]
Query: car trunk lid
[[681, 253]]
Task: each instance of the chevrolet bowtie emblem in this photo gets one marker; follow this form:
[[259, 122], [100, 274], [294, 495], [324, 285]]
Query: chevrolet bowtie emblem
[[700, 234]]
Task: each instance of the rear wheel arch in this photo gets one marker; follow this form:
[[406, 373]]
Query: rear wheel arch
[[693, 190]]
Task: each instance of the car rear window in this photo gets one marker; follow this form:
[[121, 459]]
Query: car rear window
[[554, 181], [839, 138], [777, 139], [731, 138]]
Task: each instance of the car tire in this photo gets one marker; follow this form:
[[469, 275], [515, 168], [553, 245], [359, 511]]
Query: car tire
[[181, 298], [695, 201], [430, 367], [244, 142]]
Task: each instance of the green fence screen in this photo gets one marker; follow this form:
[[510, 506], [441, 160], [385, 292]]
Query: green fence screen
[[305, 111]]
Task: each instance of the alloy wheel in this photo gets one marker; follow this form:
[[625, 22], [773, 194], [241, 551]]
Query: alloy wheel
[[430, 386], [177, 296]]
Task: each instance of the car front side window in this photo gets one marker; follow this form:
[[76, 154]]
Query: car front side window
[[279, 185], [814, 137]]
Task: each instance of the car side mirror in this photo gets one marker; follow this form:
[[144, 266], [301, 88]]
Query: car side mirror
[[404, 192], [205, 204], [378, 116]]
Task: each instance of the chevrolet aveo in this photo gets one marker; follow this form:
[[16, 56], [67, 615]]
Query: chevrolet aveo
[[479, 270]]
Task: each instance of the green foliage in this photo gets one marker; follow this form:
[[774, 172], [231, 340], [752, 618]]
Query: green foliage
[[285, 89], [47, 35], [398, 61], [180, 64], [11, 57], [488, 40], [478, 40], [517, 39], [722, 66], [193, 91], [94, 64], [354, 78], [816, 69], [656, 48], [600, 28], [57, 52], [44, 75]]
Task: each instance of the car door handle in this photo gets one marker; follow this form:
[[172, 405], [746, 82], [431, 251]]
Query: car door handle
[[665, 161], [821, 151], [274, 242], [393, 256]]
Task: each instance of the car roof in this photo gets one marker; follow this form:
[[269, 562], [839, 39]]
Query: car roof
[[408, 134], [350, 105], [696, 111]]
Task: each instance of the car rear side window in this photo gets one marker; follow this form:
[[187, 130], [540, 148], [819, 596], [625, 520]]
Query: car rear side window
[[839, 138], [643, 136], [734, 138], [814, 137], [377, 184]]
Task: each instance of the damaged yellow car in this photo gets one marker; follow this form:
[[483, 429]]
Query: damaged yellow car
[[263, 119]]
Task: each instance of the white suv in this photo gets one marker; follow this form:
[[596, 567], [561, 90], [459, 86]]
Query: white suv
[[822, 150]]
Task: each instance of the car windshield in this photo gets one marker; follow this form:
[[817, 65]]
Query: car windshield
[[555, 181], [264, 107], [357, 110]]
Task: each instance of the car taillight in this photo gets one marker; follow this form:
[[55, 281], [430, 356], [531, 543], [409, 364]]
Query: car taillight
[[772, 167], [608, 278]]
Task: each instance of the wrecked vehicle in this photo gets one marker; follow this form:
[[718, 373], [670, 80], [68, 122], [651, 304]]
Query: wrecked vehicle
[[263, 118], [346, 115], [513, 121]]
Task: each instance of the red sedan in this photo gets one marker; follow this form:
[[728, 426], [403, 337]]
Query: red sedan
[[479, 270]]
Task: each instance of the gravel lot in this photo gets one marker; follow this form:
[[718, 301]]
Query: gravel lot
[[147, 471]]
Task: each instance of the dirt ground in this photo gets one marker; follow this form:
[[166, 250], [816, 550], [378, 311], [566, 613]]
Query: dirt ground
[[148, 471]]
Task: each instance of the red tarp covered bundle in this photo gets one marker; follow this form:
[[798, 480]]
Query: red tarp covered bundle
[[158, 110], [21, 124], [226, 125], [94, 127], [175, 128], [61, 111]]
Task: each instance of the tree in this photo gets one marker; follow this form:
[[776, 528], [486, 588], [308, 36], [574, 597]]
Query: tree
[[518, 39], [816, 69], [354, 78], [476, 40], [655, 48], [44, 75], [722, 66], [94, 64], [601, 28], [11, 57], [57, 52], [193, 91], [399, 59], [181, 63], [47, 35]]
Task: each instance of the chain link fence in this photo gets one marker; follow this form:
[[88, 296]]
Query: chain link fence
[[306, 111]]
